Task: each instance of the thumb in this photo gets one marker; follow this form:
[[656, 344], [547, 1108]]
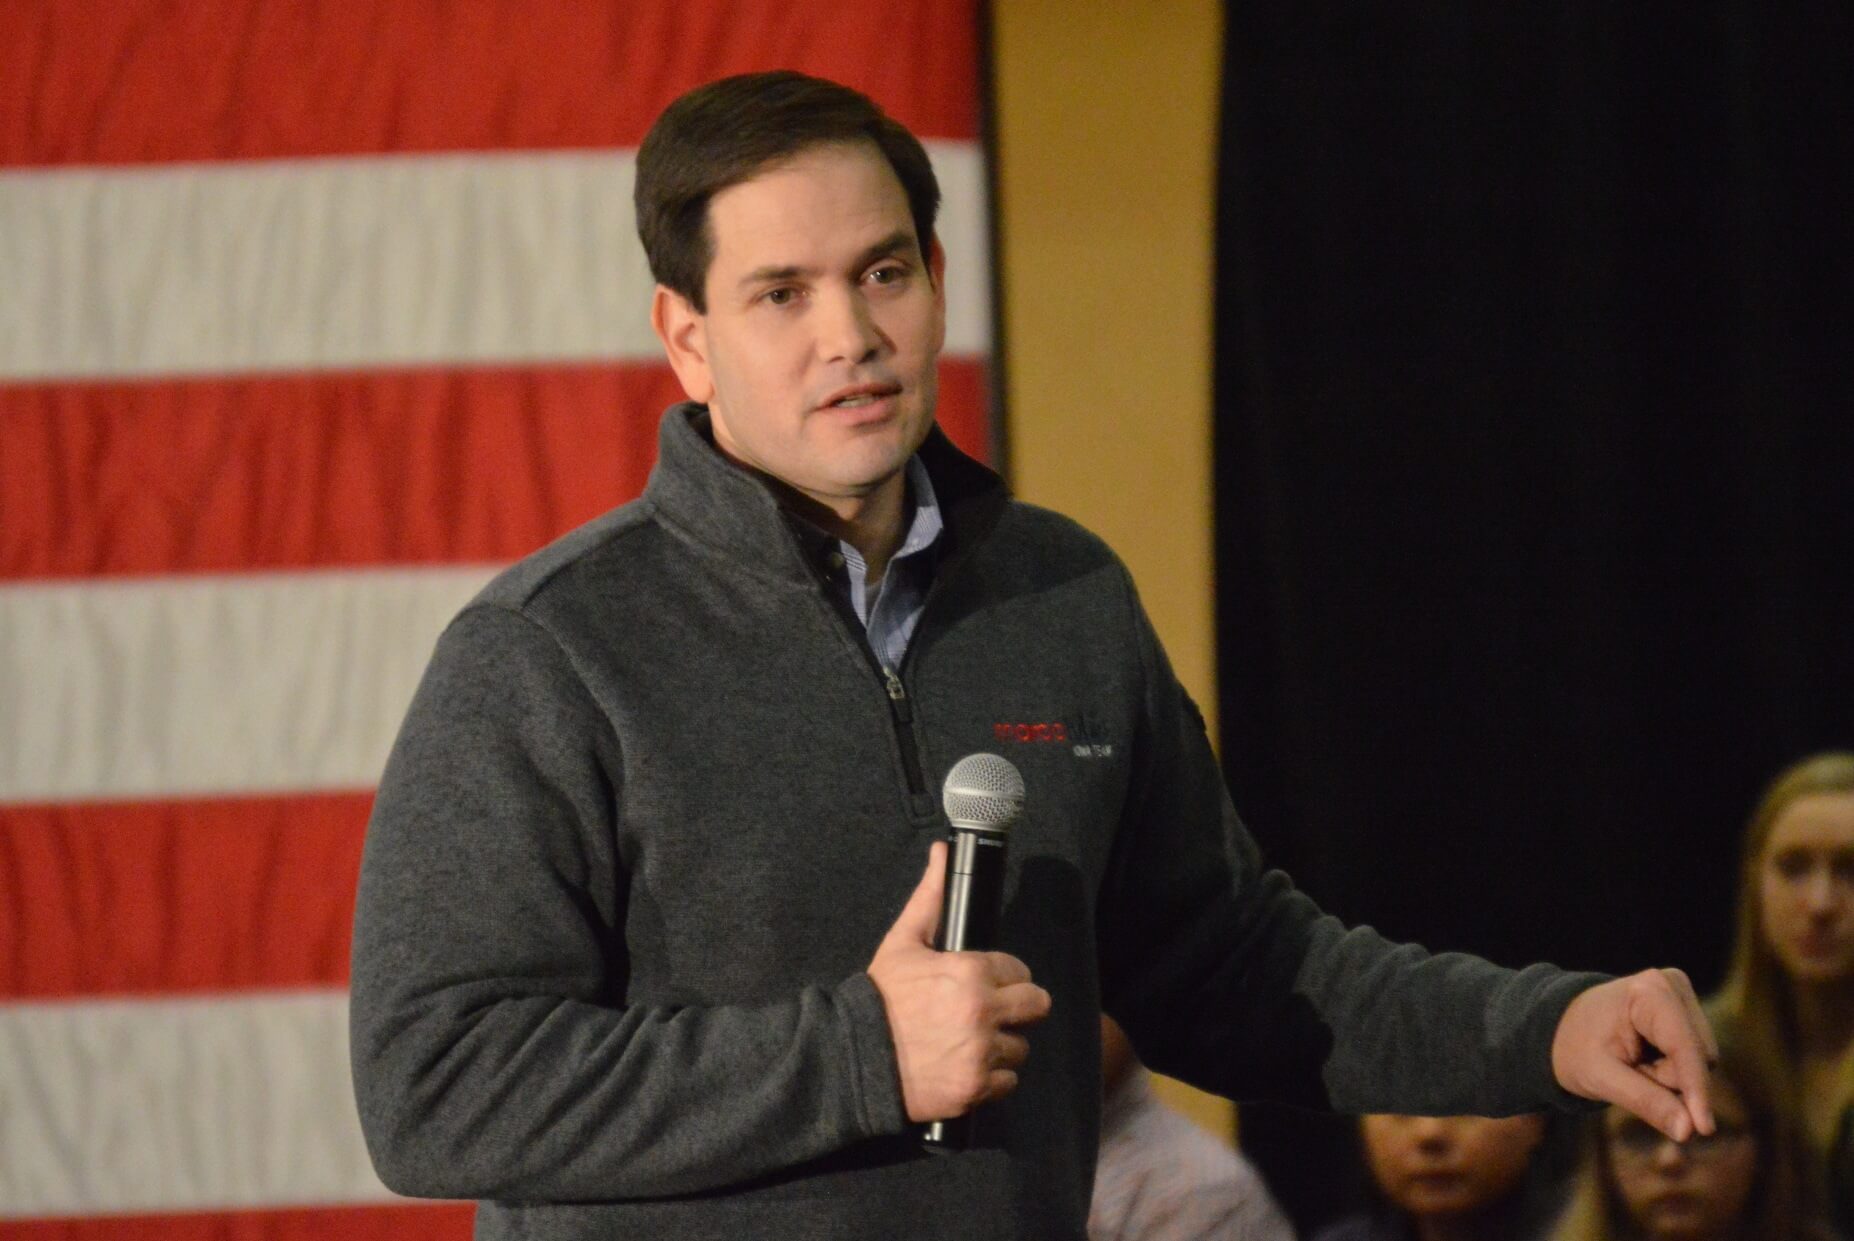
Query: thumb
[[920, 917], [1635, 1091]]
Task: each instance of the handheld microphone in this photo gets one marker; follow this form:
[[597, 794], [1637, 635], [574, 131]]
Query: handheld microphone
[[983, 796]]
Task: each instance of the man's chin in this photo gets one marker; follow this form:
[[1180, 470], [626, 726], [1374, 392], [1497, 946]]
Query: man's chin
[[869, 463], [861, 485], [851, 475]]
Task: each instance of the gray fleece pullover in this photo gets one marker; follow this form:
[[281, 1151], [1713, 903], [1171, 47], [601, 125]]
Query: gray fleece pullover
[[654, 806]]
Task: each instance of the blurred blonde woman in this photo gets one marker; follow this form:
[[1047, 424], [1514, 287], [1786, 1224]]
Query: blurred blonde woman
[[1743, 1182], [1789, 991]]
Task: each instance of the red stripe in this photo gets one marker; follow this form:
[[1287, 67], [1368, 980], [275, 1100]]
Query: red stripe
[[138, 81], [137, 898], [302, 471], [447, 1221], [965, 398]]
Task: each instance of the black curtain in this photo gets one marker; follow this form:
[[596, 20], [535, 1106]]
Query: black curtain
[[1535, 466]]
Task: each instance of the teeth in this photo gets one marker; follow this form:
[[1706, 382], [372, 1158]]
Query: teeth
[[850, 402]]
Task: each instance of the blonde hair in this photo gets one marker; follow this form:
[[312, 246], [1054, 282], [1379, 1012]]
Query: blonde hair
[[1784, 1203], [1755, 998]]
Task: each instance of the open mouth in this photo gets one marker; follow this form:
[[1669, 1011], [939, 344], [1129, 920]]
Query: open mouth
[[861, 396]]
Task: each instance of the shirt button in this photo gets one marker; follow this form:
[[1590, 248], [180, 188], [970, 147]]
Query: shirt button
[[836, 560]]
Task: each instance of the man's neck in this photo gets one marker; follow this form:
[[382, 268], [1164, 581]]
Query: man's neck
[[873, 524]]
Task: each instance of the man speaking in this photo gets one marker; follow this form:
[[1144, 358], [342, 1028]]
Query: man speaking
[[644, 937]]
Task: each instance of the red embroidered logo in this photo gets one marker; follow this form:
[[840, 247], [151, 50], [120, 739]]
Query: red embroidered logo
[[1031, 732]]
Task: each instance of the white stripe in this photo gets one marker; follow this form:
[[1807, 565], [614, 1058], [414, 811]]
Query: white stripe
[[963, 229], [174, 687], [357, 263], [179, 1105]]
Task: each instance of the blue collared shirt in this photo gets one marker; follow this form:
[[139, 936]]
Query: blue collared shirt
[[889, 616]]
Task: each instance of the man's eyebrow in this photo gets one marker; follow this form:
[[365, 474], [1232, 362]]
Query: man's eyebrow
[[895, 243], [769, 275]]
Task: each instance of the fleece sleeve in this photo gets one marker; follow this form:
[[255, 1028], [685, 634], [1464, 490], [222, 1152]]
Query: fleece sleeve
[[1227, 977], [493, 1053]]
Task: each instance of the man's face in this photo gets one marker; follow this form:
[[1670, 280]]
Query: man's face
[[817, 354]]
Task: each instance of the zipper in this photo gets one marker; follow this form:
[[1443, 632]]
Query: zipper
[[900, 707], [901, 711], [901, 714]]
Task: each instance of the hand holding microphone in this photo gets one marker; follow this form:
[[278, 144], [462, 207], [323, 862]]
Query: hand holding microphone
[[954, 1014]]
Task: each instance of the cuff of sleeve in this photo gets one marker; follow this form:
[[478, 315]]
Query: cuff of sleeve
[[1534, 1046], [875, 1078]]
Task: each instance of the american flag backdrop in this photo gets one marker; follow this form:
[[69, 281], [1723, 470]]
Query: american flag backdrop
[[311, 315]]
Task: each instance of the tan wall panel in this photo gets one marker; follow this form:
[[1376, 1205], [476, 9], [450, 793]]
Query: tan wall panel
[[1106, 135], [1106, 125]]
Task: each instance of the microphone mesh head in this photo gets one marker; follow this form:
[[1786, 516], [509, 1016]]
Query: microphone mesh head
[[983, 792]]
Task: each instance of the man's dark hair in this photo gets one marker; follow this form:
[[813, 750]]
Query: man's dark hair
[[728, 131]]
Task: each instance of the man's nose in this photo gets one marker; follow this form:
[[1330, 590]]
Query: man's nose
[[846, 330]]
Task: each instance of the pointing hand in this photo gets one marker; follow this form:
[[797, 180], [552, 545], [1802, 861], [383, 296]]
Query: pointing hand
[[1606, 1043]]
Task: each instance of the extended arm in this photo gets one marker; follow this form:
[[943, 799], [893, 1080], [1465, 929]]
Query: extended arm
[[1226, 976]]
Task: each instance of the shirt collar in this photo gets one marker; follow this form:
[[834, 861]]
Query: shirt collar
[[925, 526], [924, 523]]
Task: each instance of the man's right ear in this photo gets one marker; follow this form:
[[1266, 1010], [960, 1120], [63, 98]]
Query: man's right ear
[[684, 333]]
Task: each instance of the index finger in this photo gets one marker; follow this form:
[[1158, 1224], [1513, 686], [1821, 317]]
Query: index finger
[[1005, 969], [1672, 1028], [1683, 987], [1633, 1090], [1020, 1004]]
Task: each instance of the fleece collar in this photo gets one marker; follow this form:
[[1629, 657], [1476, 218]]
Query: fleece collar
[[737, 513]]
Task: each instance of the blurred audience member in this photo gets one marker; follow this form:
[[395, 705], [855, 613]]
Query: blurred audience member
[[1454, 1178], [1789, 992], [1160, 1177], [1742, 1182]]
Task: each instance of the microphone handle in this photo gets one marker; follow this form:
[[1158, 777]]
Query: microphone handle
[[969, 921]]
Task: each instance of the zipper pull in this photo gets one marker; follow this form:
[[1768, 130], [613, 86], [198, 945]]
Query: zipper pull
[[897, 694]]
